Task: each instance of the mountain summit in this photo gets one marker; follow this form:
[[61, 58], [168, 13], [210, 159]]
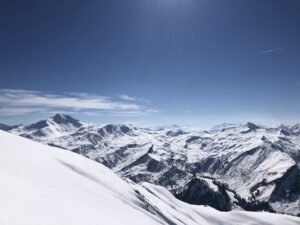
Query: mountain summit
[[55, 126], [66, 119], [58, 119]]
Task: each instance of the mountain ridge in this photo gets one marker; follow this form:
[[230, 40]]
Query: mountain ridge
[[248, 158], [47, 185]]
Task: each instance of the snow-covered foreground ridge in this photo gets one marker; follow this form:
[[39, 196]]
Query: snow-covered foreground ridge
[[238, 166], [45, 185], [255, 167]]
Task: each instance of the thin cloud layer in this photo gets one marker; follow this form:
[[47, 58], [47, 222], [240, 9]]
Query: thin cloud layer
[[18, 102], [127, 98], [16, 111], [279, 49]]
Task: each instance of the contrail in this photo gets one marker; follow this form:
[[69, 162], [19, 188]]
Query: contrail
[[278, 49]]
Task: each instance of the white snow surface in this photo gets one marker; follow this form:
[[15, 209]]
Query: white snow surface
[[248, 158], [45, 185]]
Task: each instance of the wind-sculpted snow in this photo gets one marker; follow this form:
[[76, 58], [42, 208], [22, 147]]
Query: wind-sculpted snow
[[248, 158], [46, 185]]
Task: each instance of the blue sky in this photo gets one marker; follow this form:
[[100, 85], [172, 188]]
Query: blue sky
[[187, 62]]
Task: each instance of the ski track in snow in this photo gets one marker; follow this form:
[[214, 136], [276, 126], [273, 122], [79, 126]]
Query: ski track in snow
[[45, 185]]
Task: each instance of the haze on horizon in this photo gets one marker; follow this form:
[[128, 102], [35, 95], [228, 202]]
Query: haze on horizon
[[188, 62]]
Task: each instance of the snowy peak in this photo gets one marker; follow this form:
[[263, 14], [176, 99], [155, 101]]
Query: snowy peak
[[56, 126], [295, 129], [224, 126], [115, 129], [7, 127], [66, 119], [38, 125], [58, 120], [252, 126], [243, 128], [230, 126]]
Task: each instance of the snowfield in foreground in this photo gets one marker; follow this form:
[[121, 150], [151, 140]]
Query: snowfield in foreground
[[241, 166], [49, 186]]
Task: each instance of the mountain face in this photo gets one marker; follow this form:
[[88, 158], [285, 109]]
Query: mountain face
[[224, 126], [46, 185], [240, 166], [201, 191], [56, 126], [286, 194], [7, 127]]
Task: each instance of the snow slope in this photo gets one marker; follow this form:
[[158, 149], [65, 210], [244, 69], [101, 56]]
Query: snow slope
[[45, 185], [248, 158]]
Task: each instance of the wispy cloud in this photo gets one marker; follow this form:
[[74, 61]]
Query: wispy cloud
[[279, 49], [136, 113], [152, 111], [127, 98], [18, 102], [17, 111]]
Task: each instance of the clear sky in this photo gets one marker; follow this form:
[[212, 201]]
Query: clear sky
[[187, 62]]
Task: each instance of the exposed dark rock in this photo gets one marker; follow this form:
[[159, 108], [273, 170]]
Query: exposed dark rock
[[194, 138], [5, 127], [287, 188], [39, 125], [198, 192], [175, 133], [66, 119]]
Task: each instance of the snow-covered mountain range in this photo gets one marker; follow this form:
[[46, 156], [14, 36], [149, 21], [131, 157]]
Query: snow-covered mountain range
[[232, 167], [46, 185]]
